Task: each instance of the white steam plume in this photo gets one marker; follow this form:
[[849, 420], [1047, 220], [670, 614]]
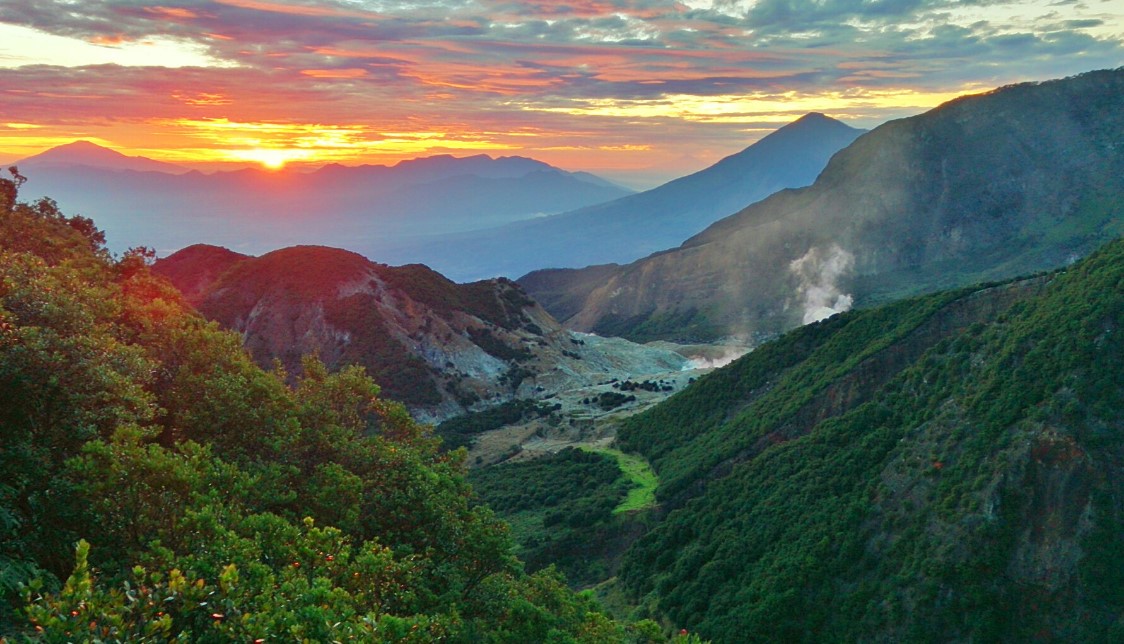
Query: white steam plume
[[716, 361], [819, 271]]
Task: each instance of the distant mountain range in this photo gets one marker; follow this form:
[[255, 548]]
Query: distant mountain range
[[634, 226], [469, 218], [1024, 178], [143, 202], [442, 348]]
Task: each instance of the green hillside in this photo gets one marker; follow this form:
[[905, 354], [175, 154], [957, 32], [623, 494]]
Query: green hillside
[[561, 511], [158, 485], [946, 468]]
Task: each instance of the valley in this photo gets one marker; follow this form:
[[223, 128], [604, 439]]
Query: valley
[[880, 402], [589, 410]]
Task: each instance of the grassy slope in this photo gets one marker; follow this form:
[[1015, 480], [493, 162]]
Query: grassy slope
[[642, 494]]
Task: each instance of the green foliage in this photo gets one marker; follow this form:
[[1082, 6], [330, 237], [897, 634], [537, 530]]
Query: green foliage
[[609, 400], [461, 431], [560, 507], [902, 474], [732, 409], [210, 501]]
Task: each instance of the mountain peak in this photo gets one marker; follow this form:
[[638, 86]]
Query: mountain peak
[[83, 144], [87, 153], [813, 120]]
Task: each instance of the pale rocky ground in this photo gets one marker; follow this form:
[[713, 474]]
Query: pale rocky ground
[[604, 361]]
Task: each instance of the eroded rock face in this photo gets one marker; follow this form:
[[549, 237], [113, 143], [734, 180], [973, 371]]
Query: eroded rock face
[[978, 189], [442, 348]]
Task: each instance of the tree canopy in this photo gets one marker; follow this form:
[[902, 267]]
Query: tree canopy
[[157, 485]]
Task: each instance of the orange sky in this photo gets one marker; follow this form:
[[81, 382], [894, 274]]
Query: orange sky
[[622, 87]]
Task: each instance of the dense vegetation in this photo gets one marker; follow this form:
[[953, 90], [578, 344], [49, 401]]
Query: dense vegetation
[[461, 431], [158, 485], [946, 468], [560, 508], [780, 379]]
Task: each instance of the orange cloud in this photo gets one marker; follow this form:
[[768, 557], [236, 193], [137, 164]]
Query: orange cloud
[[109, 41], [201, 99], [171, 13], [335, 73], [493, 79]]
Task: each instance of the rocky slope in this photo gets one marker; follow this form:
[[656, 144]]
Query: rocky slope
[[440, 347], [946, 467], [1020, 179], [631, 227]]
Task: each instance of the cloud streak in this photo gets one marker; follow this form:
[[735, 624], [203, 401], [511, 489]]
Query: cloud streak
[[570, 74]]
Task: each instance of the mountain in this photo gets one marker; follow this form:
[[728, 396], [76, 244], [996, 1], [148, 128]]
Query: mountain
[[443, 166], [945, 467], [195, 268], [1024, 178], [255, 211], [636, 225], [91, 155], [442, 348]]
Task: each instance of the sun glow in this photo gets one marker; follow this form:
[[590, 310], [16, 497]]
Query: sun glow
[[276, 144], [271, 159], [754, 108]]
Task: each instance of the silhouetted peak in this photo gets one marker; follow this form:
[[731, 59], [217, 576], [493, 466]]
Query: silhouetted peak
[[816, 120], [87, 153]]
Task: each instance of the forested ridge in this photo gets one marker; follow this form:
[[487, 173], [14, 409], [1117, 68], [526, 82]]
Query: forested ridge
[[946, 468], [158, 485]]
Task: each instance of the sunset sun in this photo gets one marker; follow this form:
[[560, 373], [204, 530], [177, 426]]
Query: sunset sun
[[271, 158]]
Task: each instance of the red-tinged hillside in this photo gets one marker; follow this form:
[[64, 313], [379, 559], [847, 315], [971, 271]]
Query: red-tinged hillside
[[440, 347], [195, 268]]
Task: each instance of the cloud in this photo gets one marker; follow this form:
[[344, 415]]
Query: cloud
[[573, 74], [298, 9]]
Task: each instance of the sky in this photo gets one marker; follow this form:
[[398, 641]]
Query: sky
[[633, 89]]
